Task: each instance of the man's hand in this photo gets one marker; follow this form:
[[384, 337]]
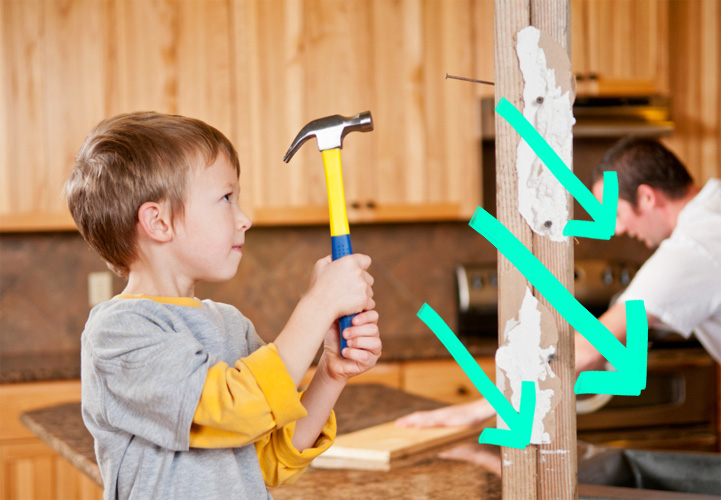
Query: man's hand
[[471, 413]]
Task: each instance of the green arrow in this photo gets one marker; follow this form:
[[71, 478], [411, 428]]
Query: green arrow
[[630, 361], [519, 423], [603, 224]]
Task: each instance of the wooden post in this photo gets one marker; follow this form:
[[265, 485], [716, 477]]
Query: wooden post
[[547, 471]]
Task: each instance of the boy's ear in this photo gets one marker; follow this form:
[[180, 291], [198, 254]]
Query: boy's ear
[[154, 221]]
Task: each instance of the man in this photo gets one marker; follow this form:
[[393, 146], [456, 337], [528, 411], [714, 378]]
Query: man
[[680, 283], [660, 205]]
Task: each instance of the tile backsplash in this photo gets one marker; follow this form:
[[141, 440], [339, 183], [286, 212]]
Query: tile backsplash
[[44, 277]]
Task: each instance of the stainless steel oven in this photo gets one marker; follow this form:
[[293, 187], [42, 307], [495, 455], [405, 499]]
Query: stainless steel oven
[[676, 411], [596, 282]]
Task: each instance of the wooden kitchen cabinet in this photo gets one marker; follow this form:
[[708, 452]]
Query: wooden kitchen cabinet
[[620, 45], [29, 469], [67, 65], [307, 60], [54, 85], [258, 71]]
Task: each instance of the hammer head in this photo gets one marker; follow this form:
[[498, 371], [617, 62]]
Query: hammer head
[[330, 131]]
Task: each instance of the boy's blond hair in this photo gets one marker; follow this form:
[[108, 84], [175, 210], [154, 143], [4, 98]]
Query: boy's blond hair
[[128, 160]]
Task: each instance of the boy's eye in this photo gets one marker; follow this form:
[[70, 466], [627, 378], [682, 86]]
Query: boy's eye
[[228, 196]]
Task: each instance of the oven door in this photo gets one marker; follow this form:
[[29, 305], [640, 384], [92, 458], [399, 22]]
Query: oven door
[[677, 408]]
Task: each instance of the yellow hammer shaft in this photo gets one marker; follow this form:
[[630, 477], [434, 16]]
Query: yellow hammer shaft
[[336, 198]]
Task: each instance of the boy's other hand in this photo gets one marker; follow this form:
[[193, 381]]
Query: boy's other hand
[[362, 353], [343, 286]]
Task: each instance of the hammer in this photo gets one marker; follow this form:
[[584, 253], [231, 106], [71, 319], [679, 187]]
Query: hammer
[[329, 132]]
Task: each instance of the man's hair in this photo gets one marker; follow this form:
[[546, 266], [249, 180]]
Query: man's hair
[[128, 160], [644, 161]]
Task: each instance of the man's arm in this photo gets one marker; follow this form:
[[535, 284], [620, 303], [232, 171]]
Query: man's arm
[[587, 356]]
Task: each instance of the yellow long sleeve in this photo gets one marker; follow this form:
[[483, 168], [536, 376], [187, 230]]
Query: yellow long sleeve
[[280, 462], [257, 402]]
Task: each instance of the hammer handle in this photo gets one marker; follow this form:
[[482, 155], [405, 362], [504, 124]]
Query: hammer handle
[[341, 247], [339, 231]]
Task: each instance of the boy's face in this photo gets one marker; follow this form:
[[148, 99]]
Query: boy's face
[[211, 233]]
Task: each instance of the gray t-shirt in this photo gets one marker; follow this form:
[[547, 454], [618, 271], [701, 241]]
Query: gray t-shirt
[[144, 364]]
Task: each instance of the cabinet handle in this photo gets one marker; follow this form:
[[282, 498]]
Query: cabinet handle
[[371, 204], [355, 205]]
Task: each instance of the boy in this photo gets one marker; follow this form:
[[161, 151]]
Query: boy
[[182, 397]]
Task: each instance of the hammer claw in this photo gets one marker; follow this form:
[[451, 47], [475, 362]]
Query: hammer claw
[[330, 131]]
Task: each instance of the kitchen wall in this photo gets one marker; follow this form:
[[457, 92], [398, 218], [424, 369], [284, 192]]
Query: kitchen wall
[[44, 291], [43, 276]]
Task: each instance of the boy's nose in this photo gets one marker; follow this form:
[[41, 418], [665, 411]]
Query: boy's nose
[[243, 221]]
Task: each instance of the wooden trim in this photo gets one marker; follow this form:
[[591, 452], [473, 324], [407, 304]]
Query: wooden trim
[[37, 222], [271, 216], [402, 212]]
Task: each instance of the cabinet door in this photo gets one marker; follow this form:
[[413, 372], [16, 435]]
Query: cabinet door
[[56, 82], [624, 43], [31, 470], [299, 61], [175, 57], [67, 65], [426, 148], [295, 62], [28, 467]]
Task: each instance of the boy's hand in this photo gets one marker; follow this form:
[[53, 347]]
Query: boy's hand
[[343, 286], [364, 348]]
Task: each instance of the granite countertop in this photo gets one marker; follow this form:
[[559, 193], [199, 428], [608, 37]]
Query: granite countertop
[[423, 475], [360, 406], [45, 366], [40, 366]]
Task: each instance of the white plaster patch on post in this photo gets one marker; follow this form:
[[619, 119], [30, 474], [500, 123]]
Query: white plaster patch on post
[[548, 107], [522, 358]]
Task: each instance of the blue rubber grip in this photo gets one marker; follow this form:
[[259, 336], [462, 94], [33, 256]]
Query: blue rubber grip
[[341, 247]]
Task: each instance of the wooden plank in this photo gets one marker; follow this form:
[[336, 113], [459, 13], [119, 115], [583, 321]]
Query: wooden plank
[[557, 461], [548, 471], [519, 466], [382, 443]]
